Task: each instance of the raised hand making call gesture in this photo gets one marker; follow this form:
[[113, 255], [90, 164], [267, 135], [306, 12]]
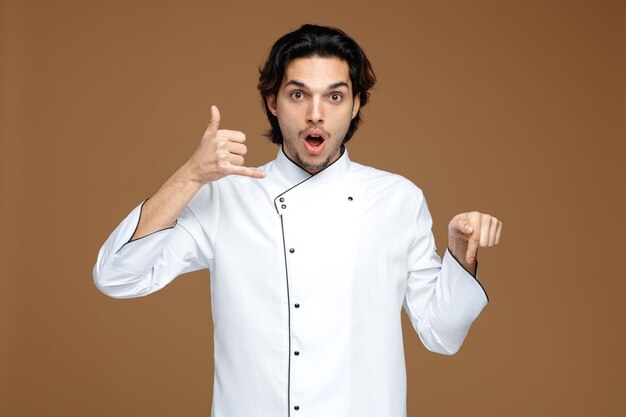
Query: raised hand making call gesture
[[220, 153]]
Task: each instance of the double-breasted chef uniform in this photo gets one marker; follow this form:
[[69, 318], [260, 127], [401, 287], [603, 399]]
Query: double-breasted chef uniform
[[309, 275]]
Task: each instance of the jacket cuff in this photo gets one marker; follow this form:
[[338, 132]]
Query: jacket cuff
[[455, 264], [133, 218], [113, 252]]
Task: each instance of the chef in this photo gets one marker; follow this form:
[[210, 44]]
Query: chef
[[312, 256]]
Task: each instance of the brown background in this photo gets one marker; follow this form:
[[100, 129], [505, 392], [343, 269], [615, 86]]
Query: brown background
[[512, 108]]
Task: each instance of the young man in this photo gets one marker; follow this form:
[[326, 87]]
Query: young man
[[312, 256]]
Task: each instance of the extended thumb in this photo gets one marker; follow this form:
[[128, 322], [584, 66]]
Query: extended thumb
[[214, 123]]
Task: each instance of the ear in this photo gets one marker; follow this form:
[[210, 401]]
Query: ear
[[356, 106], [271, 104]]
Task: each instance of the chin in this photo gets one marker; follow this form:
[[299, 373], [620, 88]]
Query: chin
[[309, 164]]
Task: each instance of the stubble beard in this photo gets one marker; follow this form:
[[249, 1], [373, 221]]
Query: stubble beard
[[310, 167]]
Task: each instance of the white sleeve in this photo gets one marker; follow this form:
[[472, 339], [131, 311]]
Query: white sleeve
[[442, 299], [126, 269]]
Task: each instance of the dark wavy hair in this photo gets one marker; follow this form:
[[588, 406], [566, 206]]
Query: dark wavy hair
[[308, 41]]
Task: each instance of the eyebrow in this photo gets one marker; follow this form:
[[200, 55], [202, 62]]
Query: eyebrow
[[330, 87]]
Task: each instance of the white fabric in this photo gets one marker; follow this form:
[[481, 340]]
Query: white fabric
[[362, 249]]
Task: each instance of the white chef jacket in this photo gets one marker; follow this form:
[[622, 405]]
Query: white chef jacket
[[309, 275]]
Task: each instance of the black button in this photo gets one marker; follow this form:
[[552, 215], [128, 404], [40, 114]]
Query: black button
[[350, 199], [296, 407], [296, 353], [281, 199], [292, 250], [284, 206], [297, 305]]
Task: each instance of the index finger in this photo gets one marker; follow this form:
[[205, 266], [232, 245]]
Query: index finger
[[474, 239], [472, 247]]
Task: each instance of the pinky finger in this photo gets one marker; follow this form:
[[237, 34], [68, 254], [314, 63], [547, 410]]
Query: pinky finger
[[248, 172]]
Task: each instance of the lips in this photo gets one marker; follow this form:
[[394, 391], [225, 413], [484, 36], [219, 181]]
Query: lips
[[314, 140]]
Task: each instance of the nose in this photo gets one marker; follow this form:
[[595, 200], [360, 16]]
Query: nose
[[315, 111]]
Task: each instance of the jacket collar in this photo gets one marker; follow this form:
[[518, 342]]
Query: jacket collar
[[304, 185], [294, 174]]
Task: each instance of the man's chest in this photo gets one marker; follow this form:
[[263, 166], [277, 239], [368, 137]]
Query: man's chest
[[325, 237]]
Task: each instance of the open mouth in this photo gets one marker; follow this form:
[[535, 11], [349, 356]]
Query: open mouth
[[314, 140]]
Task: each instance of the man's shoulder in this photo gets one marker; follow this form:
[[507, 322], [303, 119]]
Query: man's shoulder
[[384, 180]]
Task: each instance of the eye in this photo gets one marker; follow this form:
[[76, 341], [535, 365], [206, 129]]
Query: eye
[[336, 97], [297, 95]]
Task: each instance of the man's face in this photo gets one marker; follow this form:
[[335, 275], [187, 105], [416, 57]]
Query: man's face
[[314, 107]]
